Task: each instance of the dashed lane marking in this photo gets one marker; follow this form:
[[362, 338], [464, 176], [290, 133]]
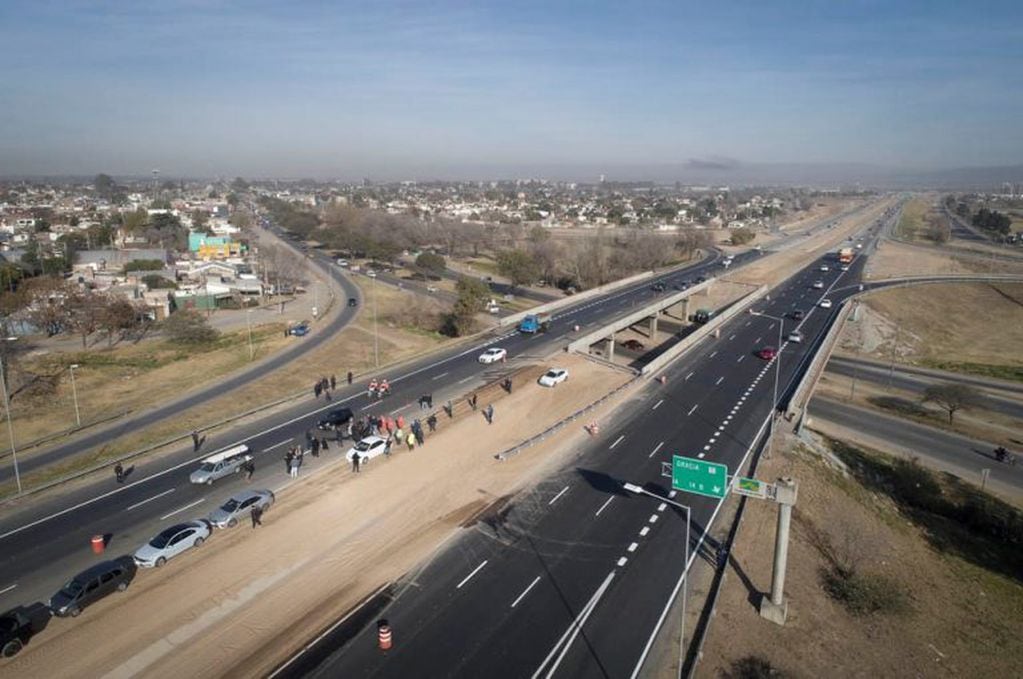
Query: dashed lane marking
[[632, 547], [644, 530], [622, 561], [720, 380], [181, 509], [155, 497], [654, 451], [469, 576], [604, 506], [525, 591], [555, 498], [657, 405], [688, 376], [617, 441], [692, 410]]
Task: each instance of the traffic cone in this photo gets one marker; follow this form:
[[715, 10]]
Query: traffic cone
[[99, 543], [384, 635]]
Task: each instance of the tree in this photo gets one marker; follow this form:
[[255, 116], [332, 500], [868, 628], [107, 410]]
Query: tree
[[742, 236], [431, 262], [242, 220], [239, 184], [188, 327], [105, 186], [156, 281], [85, 312], [519, 266], [952, 397], [144, 265], [117, 317], [472, 299], [199, 219]]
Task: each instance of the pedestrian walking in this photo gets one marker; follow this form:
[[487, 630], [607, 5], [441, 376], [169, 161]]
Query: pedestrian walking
[[387, 448], [195, 440], [257, 516], [472, 402], [450, 409], [250, 469], [333, 382], [355, 462], [411, 441], [417, 429], [507, 385], [489, 413], [119, 473], [350, 378], [431, 422]]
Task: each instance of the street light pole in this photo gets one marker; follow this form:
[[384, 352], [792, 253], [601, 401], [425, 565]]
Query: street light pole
[[376, 331], [640, 490], [248, 323], [7, 407], [74, 394]]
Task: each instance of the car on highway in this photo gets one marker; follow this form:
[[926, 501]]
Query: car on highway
[[658, 287], [632, 345], [335, 418], [368, 448], [798, 315], [553, 377], [172, 541], [352, 301], [796, 336], [493, 355], [825, 304], [431, 288], [239, 505], [818, 285], [767, 353], [371, 273], [342, 262], [824, 267], [93, 584], [221, 464], [844, 267]]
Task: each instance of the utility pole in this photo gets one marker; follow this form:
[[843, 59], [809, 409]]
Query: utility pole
[[74, 394], [7, 407], [248, 323], [376, 331], [774, 607]]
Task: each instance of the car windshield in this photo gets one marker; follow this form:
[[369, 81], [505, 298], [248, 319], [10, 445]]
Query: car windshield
[[207, 467], [363, 445], [161, 540], [551, 373], [72, 588], [230, 505]]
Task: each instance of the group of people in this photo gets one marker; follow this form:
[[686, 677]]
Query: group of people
[[325, 385], [1003, 455], [378, 388]]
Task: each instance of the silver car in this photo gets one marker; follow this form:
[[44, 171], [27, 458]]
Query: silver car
[[239, 505], [172, 541]]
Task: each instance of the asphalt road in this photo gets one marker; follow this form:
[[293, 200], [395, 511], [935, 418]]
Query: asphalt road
[[104, 434], [568, 540], [574, 577], [960, 455]]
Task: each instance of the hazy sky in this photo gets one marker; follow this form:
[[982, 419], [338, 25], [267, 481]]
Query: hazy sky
[[390, 90]]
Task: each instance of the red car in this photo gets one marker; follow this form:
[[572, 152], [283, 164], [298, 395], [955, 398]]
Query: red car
[[767, 353]]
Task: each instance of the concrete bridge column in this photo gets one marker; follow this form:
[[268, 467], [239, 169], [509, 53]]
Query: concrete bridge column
[[611, 347], [653, 326]]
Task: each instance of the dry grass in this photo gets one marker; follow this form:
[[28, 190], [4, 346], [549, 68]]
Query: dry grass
[[912, 223], [899, 259]]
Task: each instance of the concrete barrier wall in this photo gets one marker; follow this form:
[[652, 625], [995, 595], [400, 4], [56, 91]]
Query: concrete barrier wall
[[715, 323], [813, 372]]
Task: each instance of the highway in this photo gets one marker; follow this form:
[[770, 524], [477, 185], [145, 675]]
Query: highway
[[575, 577]]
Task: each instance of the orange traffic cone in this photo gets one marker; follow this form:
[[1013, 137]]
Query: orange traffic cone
[[384, 635]]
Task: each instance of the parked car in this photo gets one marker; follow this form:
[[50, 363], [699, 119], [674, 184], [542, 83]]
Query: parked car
[[493, 355], [221, 464], [818, 285], [335, 418], [299, 329], [825, 304], [368, 448], [632, 345], [767, 353], [172, 541], [239, 505], [20, 624], [93, 584], [342, 262], [553, 377], [796, 336]]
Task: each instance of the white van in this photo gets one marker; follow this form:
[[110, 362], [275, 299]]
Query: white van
[[220, 465]]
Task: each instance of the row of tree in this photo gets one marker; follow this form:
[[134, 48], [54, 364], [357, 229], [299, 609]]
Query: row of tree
[[992, 220]]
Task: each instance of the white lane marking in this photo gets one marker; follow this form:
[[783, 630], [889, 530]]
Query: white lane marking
[[469, 576], [673, 493], [644, 531], [692, 410], [657, 405], [278, 445], [740, 358], [756, 341], [155, 497], [661, 507], [720, 380], [604, 506], [653, 518], [525, 592], [465, 379], [555, 498], [770, 327], [7, 589], [701, 455], [732, 337], [437, 377], [714, 354], [748, 323], [654, 451], [633, 546], [617, 441], [188, 506], [573, 630], [688, 376], [621, 562]]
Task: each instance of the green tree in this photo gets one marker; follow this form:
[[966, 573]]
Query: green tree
[[952, 397], [199, 219], [431, 262], [742, 236], [472, 299], [104, 186], [156, 281], [519, 266], [188, 327], [144, 265]]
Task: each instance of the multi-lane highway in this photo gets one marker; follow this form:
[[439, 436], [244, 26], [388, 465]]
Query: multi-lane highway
[[576, 577]]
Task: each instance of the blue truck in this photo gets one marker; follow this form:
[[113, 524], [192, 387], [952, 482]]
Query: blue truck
[[534, 323]]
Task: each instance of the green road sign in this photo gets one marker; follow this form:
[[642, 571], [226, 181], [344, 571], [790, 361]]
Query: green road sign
[[691, 475], [751, 487]]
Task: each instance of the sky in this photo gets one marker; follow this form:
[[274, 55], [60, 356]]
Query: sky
[[393, 90]]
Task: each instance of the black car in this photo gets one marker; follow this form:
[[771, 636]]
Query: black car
[[353, 302], [657, 287], [93, 584], [798, 315], [20, 624], [335, 418], [701, 279]]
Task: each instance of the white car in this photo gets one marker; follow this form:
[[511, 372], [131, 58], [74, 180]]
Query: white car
[[553, 377], [342, 262], [493, 355], [824, 267], [796, 336], [845, 267], [818, 285], [371, 273], [431, 288], [825, 304], [368, 448], [172, 541]]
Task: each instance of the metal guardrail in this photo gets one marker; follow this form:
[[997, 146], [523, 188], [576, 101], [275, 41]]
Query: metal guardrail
[[807, 383]]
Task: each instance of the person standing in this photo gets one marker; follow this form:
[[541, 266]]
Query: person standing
[[350, 378], [399, 436], [314, 447], [317, 389], [489, 413], [400, 422], [323, 444], [431, 422], [411, 441], [333, 382], [372, 387], [195, 441], [287, 459], [119, 473], [257, 516], [250, 469], [295, 464], [387, 447], [355, 462]]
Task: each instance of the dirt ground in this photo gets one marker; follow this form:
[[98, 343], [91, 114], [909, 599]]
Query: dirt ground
[[244, 601], [960, 619], [900, 259]]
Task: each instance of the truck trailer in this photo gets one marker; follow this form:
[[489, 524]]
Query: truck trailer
[[534, 323]]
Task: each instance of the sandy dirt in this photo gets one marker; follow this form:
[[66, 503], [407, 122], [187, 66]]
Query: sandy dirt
[[961, 619], [900, 259], [240, 604]]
